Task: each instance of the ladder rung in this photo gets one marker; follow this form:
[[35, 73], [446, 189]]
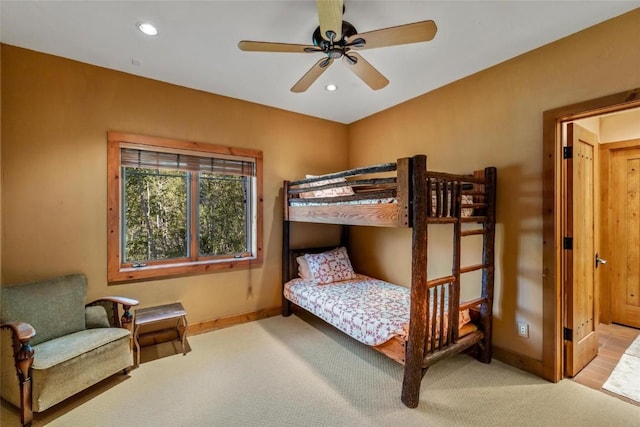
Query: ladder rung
[[472, 303], [473, 219], [442, 220], [440, 281], [473, 193], [472, 232], [472, 268], [473, 205]]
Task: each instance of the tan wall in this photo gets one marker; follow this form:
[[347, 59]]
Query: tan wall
[[495, 118], [56, 114]]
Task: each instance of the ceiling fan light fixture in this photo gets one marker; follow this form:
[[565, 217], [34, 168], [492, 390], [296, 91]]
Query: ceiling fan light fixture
[[147, 28], [331, 87]]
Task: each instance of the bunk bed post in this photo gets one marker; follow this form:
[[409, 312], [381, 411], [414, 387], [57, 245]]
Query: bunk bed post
[[414, 354], [344, 236], [454, 299], [286, 273], [486, 309]]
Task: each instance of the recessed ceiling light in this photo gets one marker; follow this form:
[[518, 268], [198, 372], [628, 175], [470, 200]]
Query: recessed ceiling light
[[331, 87], [147, 28]]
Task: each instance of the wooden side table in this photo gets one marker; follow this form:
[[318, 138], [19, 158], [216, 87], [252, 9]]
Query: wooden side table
[[161, 313]]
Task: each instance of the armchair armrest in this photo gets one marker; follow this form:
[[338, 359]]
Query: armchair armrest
[[118, 300], [23, 359], [22, 331], [125, 320]]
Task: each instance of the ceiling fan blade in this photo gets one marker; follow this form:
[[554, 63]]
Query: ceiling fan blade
[[312, 75], [402, 34], [330, 16], [251, 46], [367, 72]]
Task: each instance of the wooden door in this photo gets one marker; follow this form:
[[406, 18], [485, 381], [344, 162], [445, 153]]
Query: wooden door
[[581, 317], [624, 246]]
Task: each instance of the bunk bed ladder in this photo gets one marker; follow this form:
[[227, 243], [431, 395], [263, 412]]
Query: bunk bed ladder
[[485, 202], [441, 342]]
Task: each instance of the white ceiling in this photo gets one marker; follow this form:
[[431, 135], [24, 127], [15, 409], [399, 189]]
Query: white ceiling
[[197, 43]]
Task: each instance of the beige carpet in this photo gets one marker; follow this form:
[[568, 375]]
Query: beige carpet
[[292, 372], [625, 378]]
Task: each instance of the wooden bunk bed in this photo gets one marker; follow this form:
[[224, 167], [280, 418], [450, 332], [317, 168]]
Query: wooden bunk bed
[[406, 194]]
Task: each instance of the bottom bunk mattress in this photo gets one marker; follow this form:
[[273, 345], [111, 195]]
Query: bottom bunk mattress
[[370, 310]]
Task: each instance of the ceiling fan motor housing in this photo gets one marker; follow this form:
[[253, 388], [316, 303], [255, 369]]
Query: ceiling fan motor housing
[[348, 30]]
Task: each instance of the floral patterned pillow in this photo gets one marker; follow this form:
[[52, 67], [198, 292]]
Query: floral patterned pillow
[[329, 267], [303, 269], [328, 192]]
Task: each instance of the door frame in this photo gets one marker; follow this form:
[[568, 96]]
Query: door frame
[[552, 208]]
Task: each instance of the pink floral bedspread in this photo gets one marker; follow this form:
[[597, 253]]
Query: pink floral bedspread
[[369, 310]]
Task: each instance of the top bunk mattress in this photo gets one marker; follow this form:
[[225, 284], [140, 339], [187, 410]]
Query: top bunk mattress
[[370, 310]]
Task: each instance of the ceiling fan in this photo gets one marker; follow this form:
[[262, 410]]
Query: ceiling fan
[[336, 39]]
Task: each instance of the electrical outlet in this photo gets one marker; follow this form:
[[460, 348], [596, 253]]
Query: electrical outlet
[[523, 329]]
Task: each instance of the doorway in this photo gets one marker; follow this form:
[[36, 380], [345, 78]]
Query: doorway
[[554, 304], [620, 167]]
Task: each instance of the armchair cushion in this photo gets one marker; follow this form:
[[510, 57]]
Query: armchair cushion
[[54, 384], [96, 317], [61, 349], [54, 307]]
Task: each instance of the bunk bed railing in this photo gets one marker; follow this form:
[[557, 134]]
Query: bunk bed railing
[[380, 194], [441, 310], [385, 167], [362, 188], [378, 182]]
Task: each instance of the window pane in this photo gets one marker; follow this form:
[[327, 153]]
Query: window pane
[[155, 220], [223, 214]]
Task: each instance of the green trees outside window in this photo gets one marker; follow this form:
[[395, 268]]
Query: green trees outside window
[[155, 215], [224, 218]]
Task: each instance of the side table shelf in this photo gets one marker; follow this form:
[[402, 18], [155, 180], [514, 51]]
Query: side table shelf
[[161, 313]]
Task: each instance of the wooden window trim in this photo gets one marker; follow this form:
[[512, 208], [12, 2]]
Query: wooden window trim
[[116, 273]]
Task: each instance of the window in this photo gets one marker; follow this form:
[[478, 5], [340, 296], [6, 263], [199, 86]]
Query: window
[[179, 207]]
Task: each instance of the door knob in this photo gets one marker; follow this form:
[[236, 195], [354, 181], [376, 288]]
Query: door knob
[[600, 260]]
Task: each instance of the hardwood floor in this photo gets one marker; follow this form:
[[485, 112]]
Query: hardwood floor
[[613, 341]]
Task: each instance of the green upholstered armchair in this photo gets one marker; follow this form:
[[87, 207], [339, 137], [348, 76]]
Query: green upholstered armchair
[[54, 345]]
